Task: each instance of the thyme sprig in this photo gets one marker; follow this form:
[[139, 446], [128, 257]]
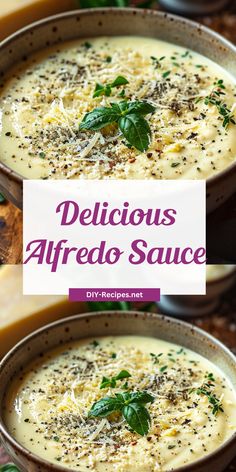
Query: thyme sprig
[[206, 389], [214, 98]]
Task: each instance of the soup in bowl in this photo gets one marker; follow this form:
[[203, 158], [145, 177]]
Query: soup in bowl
[[102, 388], [117, 105]]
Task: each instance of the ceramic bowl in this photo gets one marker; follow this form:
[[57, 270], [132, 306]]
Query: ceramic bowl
[[193, 7], [113, 22], [189, 306], [112, 323]]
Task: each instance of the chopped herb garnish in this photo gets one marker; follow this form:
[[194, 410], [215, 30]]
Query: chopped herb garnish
[[166, 74], [214, 98], [210, 377], [220, 84], [130, 405], [114, 355], [175, 164], [108, 59], [87, 45], [156, 61], [107, 89], [180, 351], [95, 343], [215, 402], [130, 119], [106, 382], [164, 368], [42, 155], [155, 357]]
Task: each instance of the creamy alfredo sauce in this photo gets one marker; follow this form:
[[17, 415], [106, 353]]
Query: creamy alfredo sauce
[[47, 408], [45, 100]]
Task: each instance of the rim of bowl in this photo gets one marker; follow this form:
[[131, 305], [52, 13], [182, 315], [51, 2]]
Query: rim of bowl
[[223, 277], [192, 466], [6, 170]]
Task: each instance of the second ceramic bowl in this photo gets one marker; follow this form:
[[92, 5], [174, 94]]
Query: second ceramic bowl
[[111, 323]]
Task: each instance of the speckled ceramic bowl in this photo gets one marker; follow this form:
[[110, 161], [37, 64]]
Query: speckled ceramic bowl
[[188, 306], [111, 323], [113, 22]]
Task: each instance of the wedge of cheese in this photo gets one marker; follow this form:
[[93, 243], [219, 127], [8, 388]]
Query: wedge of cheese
[[15, 14], [21, 314]]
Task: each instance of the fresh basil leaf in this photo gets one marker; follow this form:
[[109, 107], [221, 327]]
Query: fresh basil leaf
[[106, 89], [99, 118], [137, 417], [121, 3], [105, 407], [2, 200], [141, 397], [120, 397], [124, 305], [124, 396], [106, 382], [124, 374], [136, 130], [120, 80], [99, 89], [122, 106], [144, 108], [116, 108], [103, 306], [9, 468], [122, 93]]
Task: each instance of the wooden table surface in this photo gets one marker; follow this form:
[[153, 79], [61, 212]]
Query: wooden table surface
[[10, 234]]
